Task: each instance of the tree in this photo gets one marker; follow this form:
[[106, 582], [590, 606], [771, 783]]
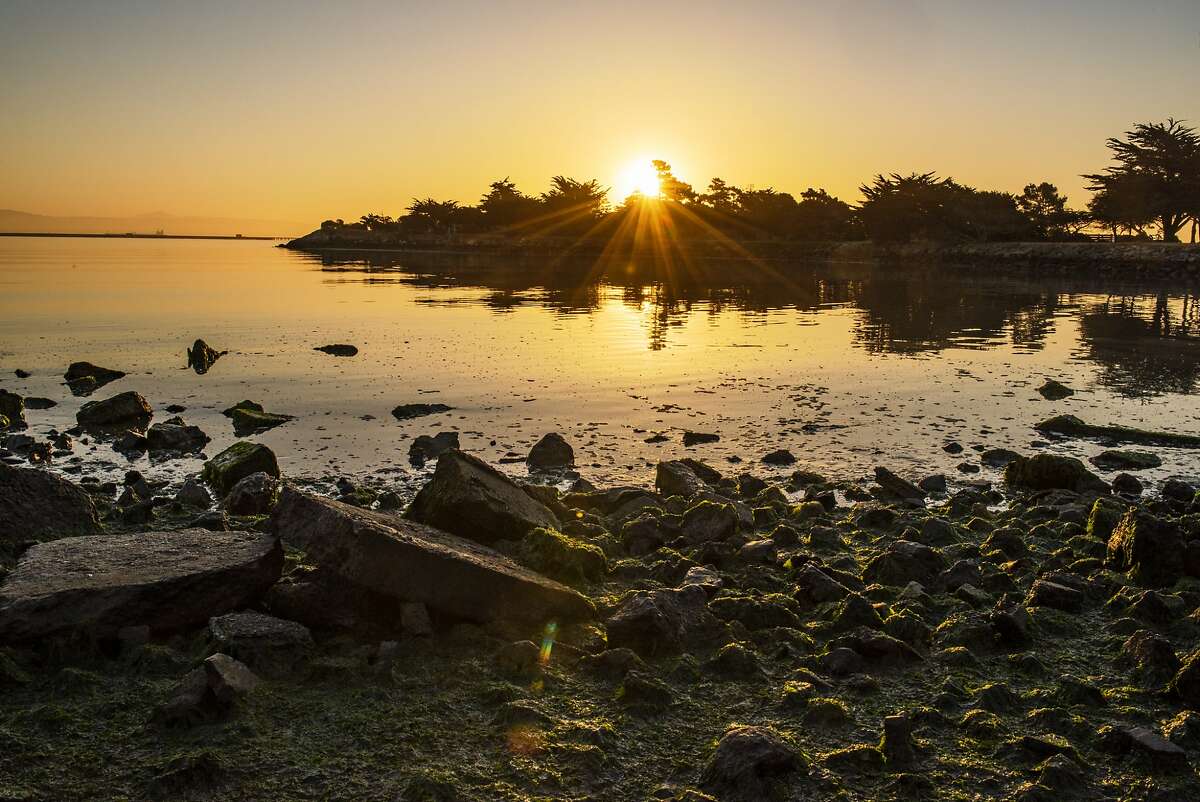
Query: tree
[[1158, 163], [1046, 210], [575, 203], [898, 208], [671, 187], [820, 217], [505, 206], [431, 216]]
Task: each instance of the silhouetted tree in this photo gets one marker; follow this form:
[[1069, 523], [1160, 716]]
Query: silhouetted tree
[[1158, 164], [1046, 210], [505, 206], [898, 208], [721, 197], [672, 188], [573, 204]]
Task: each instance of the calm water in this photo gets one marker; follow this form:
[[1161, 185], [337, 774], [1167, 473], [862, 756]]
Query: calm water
[[846, 367]]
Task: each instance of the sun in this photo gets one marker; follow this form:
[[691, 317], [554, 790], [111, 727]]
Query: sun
[[638, 176]]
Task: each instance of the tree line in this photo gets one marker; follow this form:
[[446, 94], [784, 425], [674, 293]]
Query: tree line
[[1152, 187]]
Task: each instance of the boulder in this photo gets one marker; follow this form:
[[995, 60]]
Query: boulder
[[709, 521], [1185, 685], [1113, 460], [12, 411], [1149, 548], [338, 349], [250, 418], [674, 478], [270, 646], [425, 448], [469, 498], [252, 495], [895, 486], [123, 409], [410, 411], [200, 357], [1053, 472], [780, 457], [84, 378], [699, 438], [550, 453], [1053, 390], [193, 494], [175, 437], [747, 761], [237, 462], [36, 505], [905, 562], [662, 622], [164, 580], [411, 562]]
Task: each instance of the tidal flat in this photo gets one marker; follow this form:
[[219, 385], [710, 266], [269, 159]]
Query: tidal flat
[[495, 532]]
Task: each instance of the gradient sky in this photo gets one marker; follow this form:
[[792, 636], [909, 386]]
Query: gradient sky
[[305, 110]]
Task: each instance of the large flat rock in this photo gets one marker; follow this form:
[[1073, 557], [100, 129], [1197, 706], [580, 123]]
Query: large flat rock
[[166, 580], [35, 504], [410, 561]]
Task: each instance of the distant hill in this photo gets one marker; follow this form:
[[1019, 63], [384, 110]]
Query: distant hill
[[12, 220]]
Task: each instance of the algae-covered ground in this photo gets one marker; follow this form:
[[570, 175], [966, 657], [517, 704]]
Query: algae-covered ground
[[1007, 696]]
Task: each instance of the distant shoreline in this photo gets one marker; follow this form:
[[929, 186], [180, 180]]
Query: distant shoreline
[[134, 236]]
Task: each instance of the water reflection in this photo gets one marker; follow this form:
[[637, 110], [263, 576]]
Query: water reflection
[[1142, 340]]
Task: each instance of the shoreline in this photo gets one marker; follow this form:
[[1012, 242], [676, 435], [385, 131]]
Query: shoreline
[[132, 235], [1105, 257]]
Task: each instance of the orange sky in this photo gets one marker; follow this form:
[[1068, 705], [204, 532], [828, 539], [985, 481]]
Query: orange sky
[[299, 111]]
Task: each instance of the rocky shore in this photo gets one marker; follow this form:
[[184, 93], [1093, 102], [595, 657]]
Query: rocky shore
[[711, 637], [1129, 259]]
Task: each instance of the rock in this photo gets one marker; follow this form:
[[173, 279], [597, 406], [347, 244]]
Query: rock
[[193, 494], [1071, 426], [165, 580], [660, 622], [1044, 593], [1053, 390], [250, 418], [747, 761], [1127, 484], [84, 378], [1050, 472], [338, 349], [410, 411], [36, 505], [270, 646], [520, 659], [252, 495], [12, 410], [998, 457], [425, 448], [37, 402], [905, 562], [550, 453], [935, 483], [201, 357], [124, 409], [897, 742], [1125, 460], [708, 521], [699, 438], [1185, 685], [1149, 548], [237, 462], [780, 457], [675, 478], [814, 586], [645, 534], [1151, 657], [469, 498], [411, 562], [895, 486], [175, 437], [228, 679], [559, 557]]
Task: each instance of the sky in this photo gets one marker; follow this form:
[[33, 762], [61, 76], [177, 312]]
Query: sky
[[302, 111]]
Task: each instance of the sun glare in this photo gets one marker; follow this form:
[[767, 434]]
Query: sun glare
[[638, 177]]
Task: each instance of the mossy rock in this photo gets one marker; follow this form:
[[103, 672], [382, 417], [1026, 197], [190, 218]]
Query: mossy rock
[[249, 417], [563, 558], [1106, 513], [236, 463]]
